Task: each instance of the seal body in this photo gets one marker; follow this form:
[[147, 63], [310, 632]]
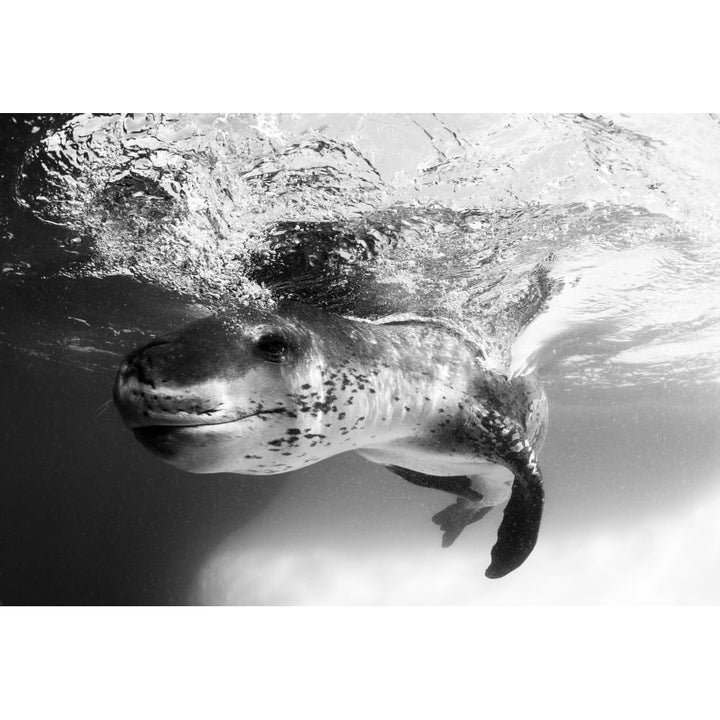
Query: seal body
[[260, 393]]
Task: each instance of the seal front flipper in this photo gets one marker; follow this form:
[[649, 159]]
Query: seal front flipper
[[454, 518], [503, 441], [460, 485]]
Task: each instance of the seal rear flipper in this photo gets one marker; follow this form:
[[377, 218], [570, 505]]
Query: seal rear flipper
[[519, 528], [456, 517], [504, 441]]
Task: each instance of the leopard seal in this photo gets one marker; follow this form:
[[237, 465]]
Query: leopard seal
[[261, 392]]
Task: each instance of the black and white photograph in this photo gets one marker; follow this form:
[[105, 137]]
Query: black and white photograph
[[360, 359]]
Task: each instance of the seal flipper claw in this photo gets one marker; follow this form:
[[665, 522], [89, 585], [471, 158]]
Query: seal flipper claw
[[456, 517]]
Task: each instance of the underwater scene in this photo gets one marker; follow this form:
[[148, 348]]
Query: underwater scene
[[380, 356]]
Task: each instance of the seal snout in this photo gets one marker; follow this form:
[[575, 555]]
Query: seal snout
[[150, 363], [147, 390]]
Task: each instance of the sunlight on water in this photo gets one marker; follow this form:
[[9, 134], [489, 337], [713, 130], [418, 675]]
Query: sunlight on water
[[636, 313], [633, 517], [671, 558], [456, 215]]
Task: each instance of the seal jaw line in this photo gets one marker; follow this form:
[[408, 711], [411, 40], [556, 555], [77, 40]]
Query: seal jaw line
[[190, 426]]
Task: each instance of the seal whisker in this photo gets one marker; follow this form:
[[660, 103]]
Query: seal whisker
[[103, 408]]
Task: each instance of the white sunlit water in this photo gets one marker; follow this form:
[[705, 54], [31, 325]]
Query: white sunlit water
[[596, 234], [672, 558]]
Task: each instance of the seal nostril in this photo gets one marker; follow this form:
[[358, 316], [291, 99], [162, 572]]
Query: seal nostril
[[137, 366]]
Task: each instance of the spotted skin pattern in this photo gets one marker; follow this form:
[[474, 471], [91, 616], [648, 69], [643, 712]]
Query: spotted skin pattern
[[261, 393]]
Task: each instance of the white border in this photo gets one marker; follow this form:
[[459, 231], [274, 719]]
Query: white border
[[371, 56], [350, 663]]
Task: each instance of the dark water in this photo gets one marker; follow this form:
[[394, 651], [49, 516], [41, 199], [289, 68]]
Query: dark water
[[114, 229], [84, 518]]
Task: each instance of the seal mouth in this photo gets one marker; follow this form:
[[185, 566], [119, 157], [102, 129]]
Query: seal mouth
[[167, 440], [168, 426]]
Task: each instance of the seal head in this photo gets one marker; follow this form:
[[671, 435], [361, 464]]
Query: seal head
[[204, 398]]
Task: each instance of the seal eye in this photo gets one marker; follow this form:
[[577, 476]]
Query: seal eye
[[273, 346]]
